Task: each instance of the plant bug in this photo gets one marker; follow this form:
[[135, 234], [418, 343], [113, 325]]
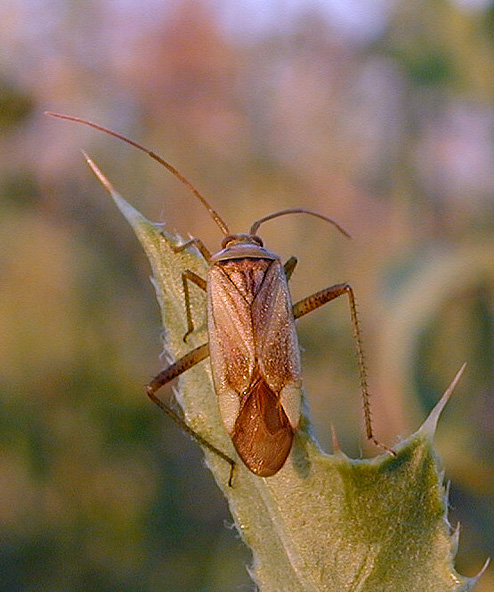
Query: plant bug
[[253, 346]]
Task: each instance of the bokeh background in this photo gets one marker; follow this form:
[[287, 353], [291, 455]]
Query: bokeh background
[[378, 113]]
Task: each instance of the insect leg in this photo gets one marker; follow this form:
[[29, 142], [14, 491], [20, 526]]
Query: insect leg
[[173, 371], [289, 267], [190, 276], [197, 242], [322, 297]]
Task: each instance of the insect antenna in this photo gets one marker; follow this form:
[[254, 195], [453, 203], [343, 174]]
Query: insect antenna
[[254, 228], [214, 215]]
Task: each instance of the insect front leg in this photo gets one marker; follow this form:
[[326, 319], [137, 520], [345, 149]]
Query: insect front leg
[[196, 242], [168, 374], [319, 299], [289, 267], [190, 276]]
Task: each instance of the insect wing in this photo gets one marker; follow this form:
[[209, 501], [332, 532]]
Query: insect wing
[[276, 341], [231, 343], [268, 435]]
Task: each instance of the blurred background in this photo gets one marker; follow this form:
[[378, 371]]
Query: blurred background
[[378, 113]]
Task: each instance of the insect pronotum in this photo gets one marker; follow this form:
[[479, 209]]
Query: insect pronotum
[[253, 347]]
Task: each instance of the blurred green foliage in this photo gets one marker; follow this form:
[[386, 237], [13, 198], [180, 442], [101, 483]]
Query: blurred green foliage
[[390, 133]]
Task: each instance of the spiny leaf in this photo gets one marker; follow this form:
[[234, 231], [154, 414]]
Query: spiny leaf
[[324, 523]]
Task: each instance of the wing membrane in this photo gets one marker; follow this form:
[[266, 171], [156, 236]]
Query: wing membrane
[[263, 434]]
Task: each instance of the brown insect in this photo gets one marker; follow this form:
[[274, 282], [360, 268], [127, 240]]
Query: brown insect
[[253, 346]]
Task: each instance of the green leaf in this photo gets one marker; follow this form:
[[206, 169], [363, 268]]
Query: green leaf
[[324, 522]]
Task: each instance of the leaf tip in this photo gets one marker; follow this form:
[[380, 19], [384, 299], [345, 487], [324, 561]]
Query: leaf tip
[[430, 425], [130, 213], [335, 441], [486, 565], [476, 578], [99, 175], [455, 540]]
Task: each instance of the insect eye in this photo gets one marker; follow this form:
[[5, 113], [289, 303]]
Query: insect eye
[[227, 241]]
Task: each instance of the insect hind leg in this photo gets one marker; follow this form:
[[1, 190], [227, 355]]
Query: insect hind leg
[[320, 298]]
